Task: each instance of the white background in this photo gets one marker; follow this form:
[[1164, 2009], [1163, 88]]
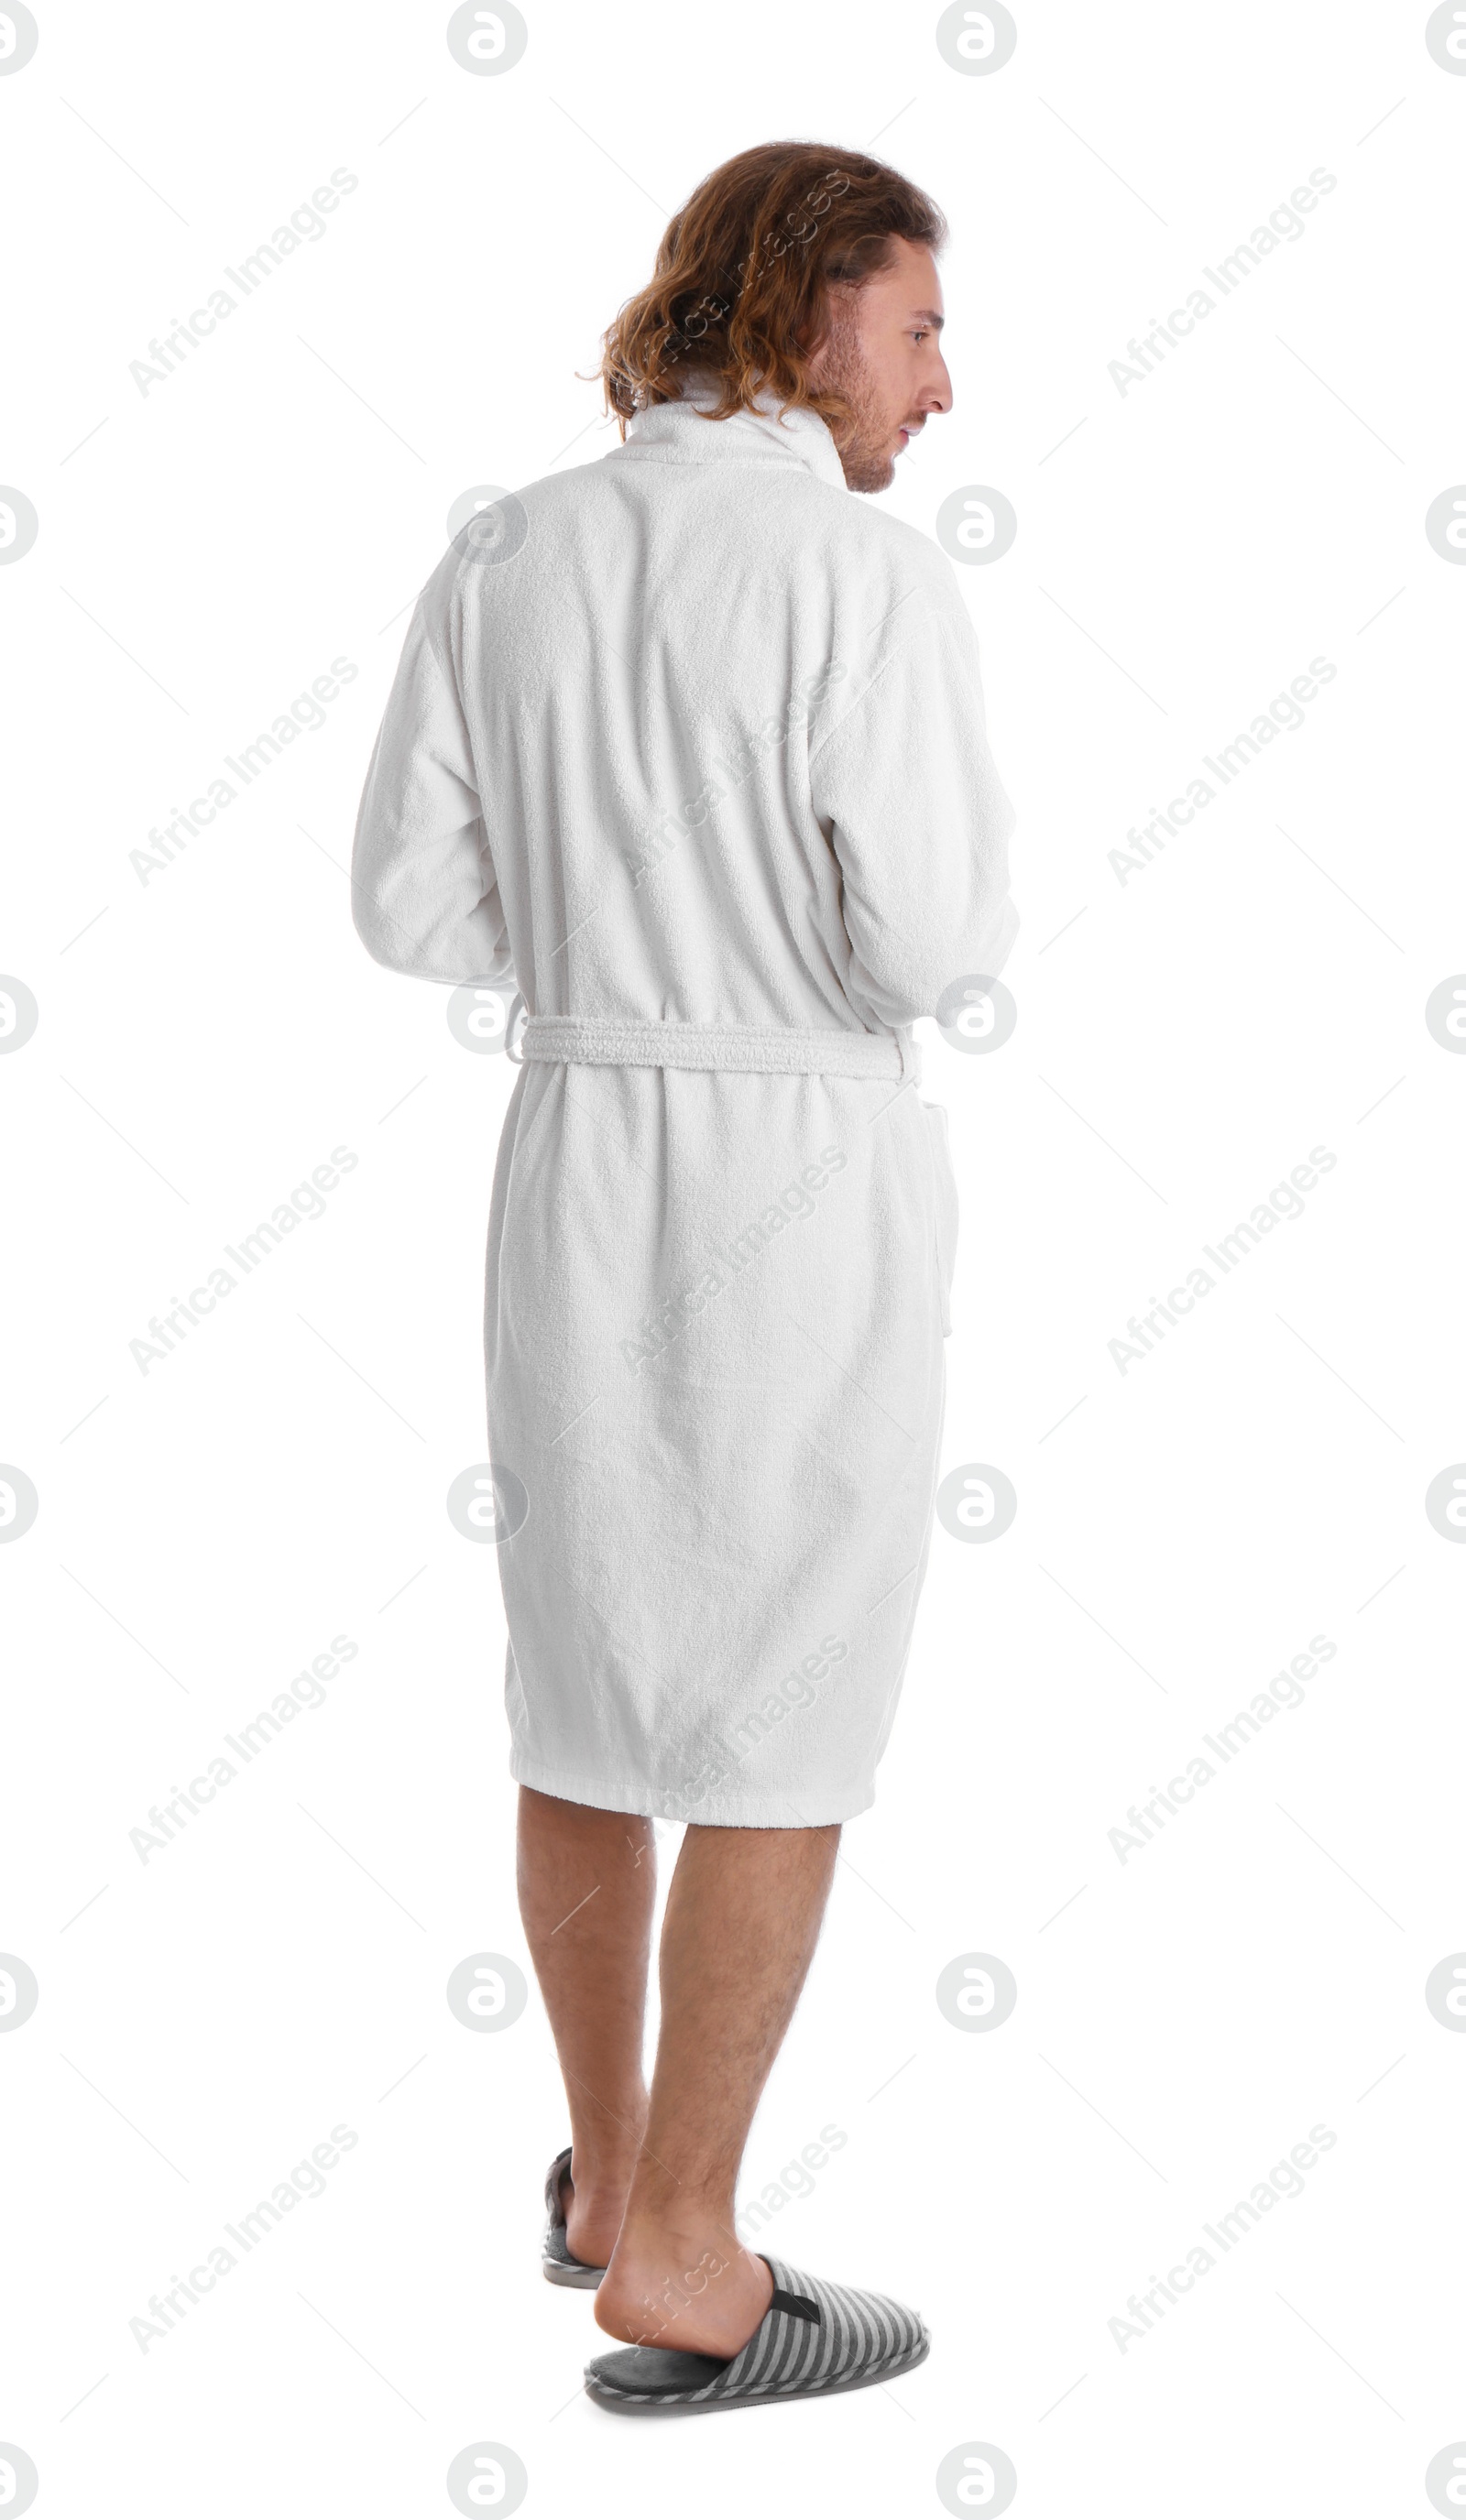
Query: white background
[[207, 1037]]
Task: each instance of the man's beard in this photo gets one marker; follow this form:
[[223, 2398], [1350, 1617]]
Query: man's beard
[[862, 438]]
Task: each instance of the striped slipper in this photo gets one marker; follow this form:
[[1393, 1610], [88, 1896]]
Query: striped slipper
[[556, 2261], [813, 2340]]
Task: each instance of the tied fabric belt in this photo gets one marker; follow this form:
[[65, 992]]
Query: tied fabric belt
[[588, 1041]]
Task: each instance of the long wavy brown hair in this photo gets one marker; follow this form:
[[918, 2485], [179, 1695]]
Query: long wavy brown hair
[[743, 275]]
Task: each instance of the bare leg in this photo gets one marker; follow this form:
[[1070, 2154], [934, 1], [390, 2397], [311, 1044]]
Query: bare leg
[[743, 1917], [588, 1882]]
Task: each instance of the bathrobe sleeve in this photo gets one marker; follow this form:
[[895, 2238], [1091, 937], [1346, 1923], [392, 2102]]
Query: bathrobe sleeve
[[916, 813], [424, 893]]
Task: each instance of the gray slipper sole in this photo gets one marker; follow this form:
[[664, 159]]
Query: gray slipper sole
[[556, 2263], [815, 2340]]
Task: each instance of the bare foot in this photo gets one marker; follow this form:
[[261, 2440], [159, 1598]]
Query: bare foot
[[695, 2291]]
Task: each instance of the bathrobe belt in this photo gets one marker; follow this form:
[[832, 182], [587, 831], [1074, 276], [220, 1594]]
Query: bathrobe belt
[[748, 1049]]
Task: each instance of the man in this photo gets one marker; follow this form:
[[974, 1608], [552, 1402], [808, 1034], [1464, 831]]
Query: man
[[690, 741]]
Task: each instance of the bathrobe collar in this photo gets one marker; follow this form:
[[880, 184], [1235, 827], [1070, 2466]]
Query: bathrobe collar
[[676, 433]]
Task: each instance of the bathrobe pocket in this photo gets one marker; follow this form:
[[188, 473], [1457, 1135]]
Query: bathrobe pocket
[[945, 1207]]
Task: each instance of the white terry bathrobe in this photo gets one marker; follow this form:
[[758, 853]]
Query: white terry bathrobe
[[690, 744]]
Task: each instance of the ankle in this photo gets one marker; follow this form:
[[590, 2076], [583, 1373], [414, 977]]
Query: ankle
[[697, 2247], [688, 2218], [661, 2211], [604, 2158], [599, 2184]]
